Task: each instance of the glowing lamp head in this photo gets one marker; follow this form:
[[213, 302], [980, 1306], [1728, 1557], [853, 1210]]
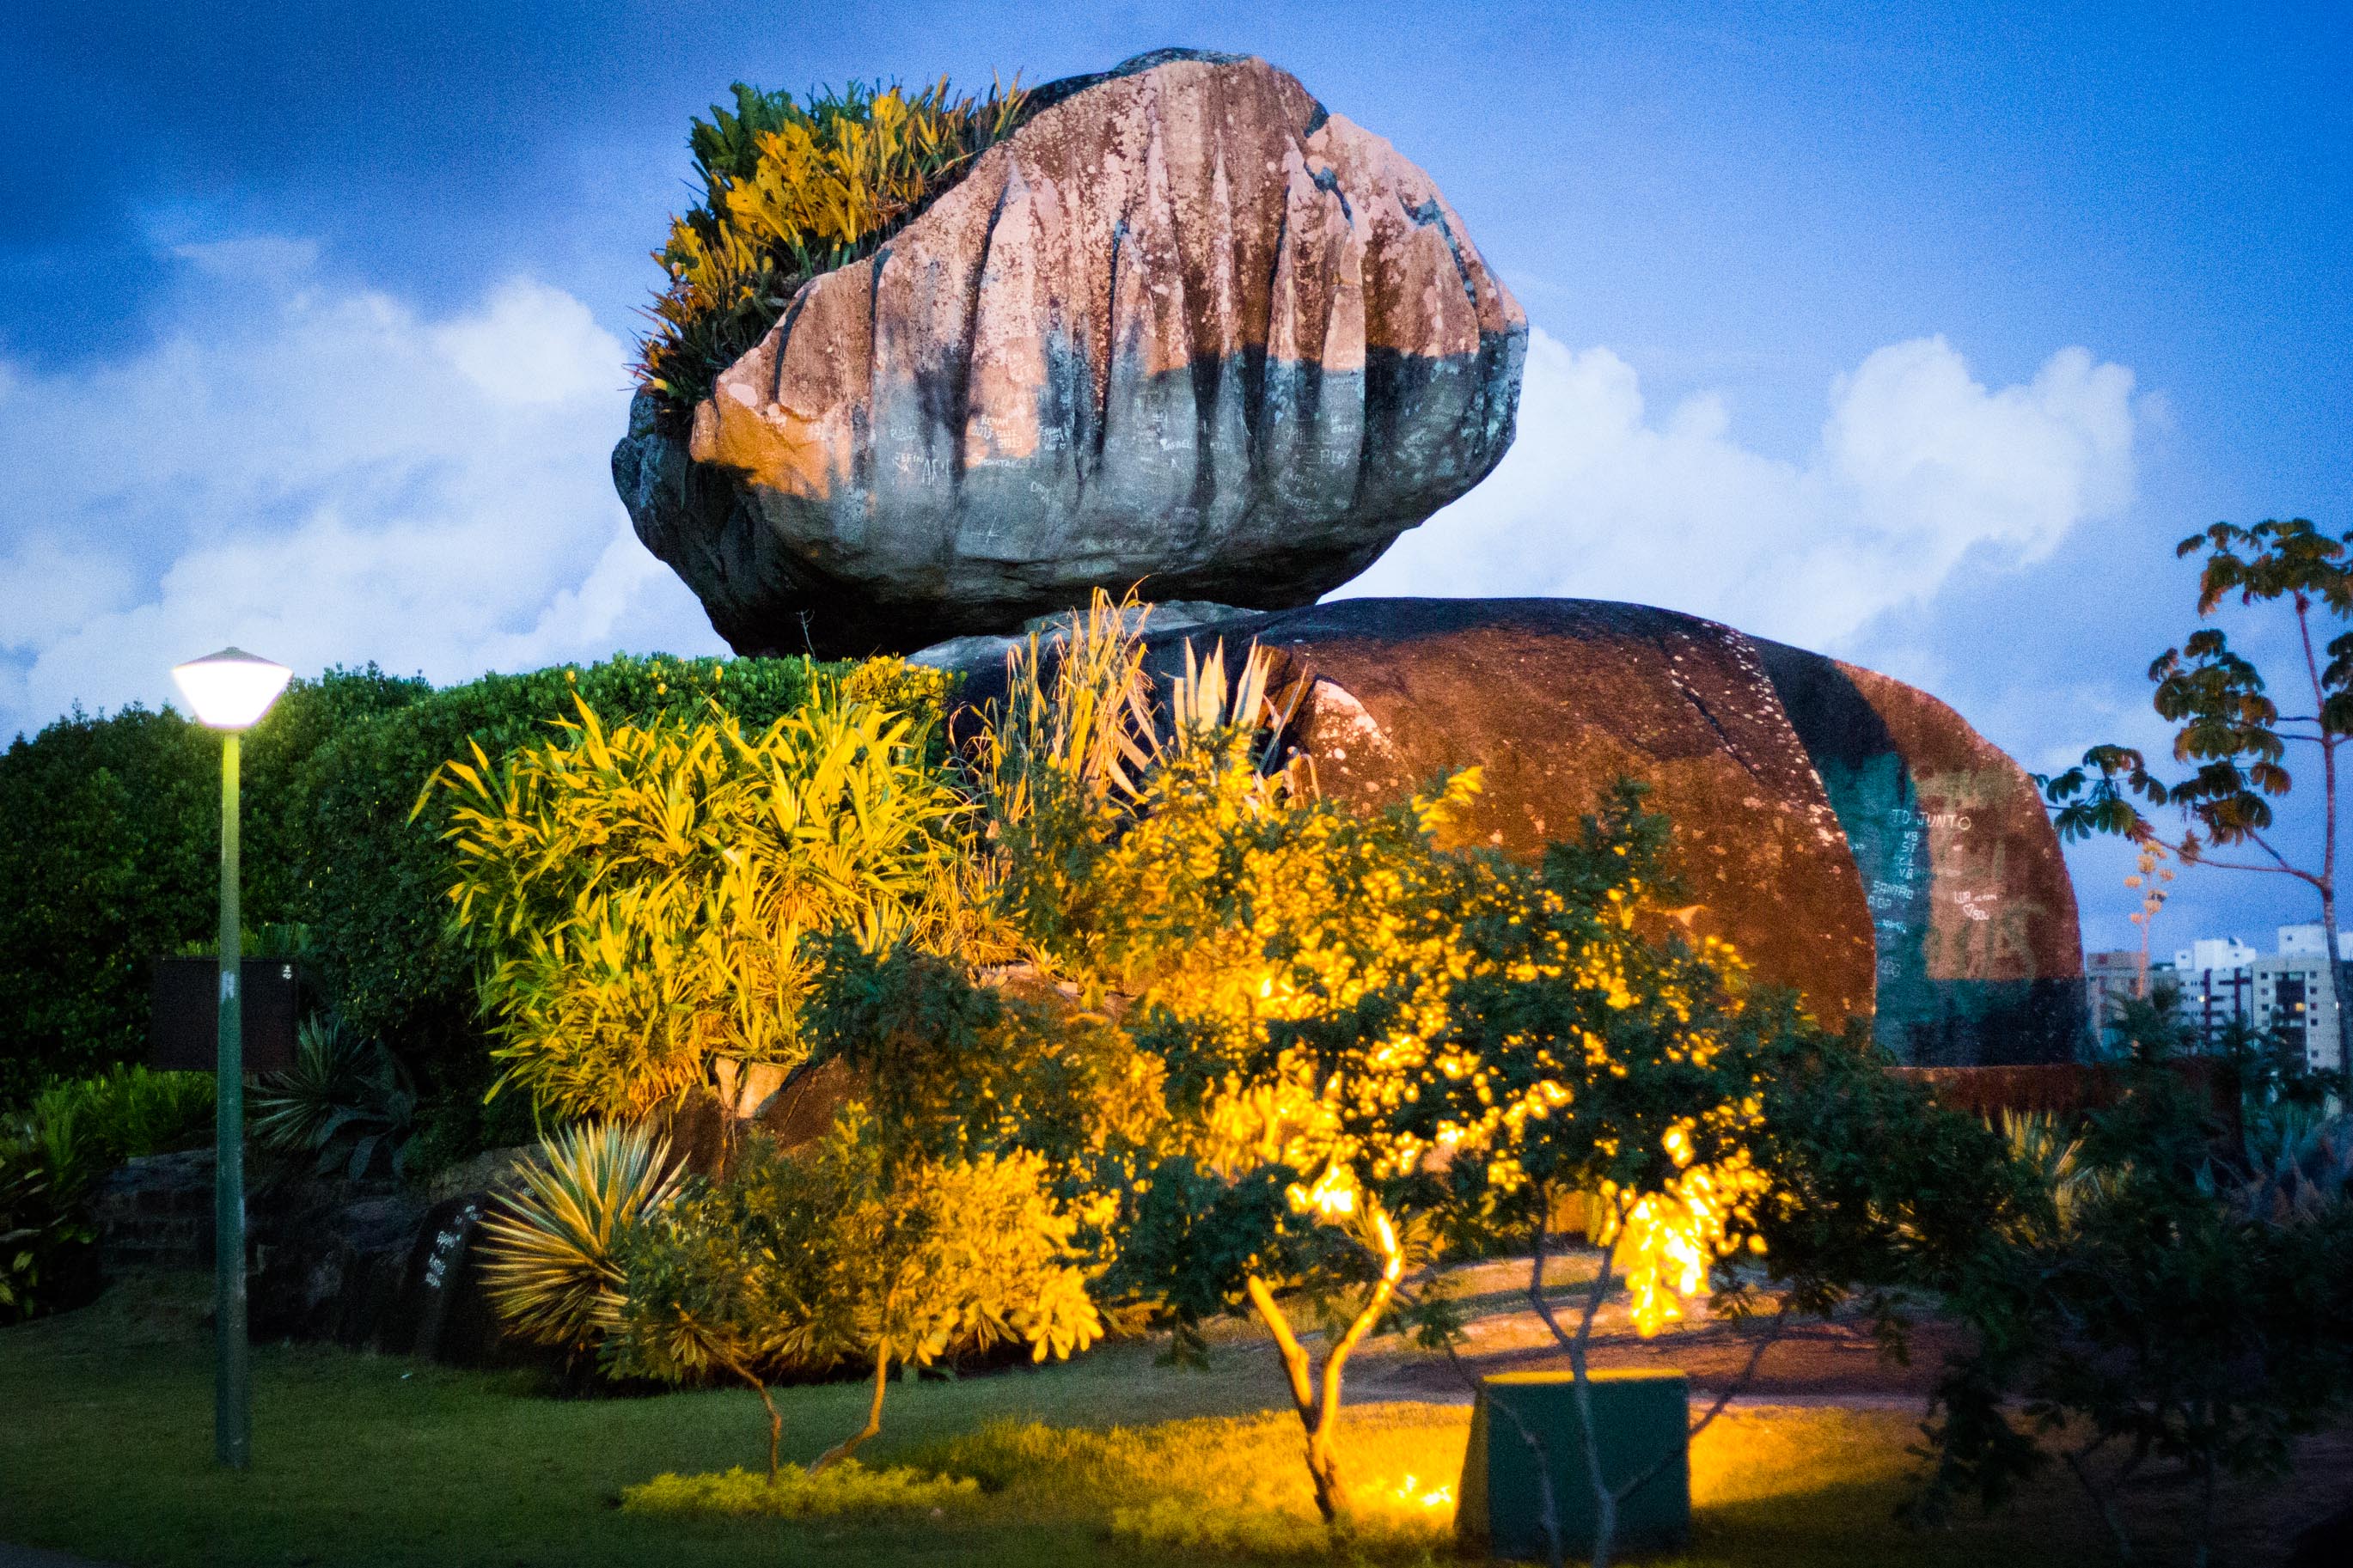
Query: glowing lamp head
[[230, 690]]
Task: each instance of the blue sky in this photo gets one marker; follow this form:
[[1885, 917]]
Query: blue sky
[[1917, 334]]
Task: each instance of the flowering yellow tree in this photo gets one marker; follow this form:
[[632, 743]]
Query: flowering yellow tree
[[1354, 1022]]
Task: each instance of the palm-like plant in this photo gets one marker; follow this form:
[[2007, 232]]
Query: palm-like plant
[[1071, 757], [2299, 1160], [1079, 721], [2041, 1143], [549, 1267], [346, 1098]]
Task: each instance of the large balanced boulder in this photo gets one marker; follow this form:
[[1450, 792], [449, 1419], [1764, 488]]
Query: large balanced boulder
[[1185, 328], [1854, 838]]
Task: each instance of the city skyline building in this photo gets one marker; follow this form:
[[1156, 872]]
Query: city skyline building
[[2290, 990]]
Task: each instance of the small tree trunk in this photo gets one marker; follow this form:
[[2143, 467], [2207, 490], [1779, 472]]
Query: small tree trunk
[[775, 1420], [1319, 1412], [2336, 986], [1322, 1465], [2327, 881], [843, 1449], [2079, 1460], [1605, 1500]]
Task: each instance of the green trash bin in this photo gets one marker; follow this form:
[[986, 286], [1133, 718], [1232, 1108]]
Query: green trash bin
[[1641, 1418]]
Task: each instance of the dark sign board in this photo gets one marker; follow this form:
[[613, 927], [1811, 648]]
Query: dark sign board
[[187, 1031]]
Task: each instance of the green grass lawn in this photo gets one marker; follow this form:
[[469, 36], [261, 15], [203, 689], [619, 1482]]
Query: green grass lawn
[[105, 1450]]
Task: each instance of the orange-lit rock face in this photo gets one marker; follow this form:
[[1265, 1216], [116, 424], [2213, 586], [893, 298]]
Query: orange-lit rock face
[[1852, 836], [1184, 327]]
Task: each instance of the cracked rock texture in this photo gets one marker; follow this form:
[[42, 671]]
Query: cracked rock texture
[[1853, 837], [1184, 327]]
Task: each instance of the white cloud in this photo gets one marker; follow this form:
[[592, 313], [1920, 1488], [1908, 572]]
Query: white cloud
[[325, 476], [1918, 465], [328, 475]]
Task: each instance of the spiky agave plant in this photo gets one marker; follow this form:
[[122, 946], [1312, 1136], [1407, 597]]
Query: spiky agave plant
[[346, 1098], [2044, 1143], [549, 1264]]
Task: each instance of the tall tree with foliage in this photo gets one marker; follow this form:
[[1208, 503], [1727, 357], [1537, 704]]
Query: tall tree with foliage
[[2229, 727], [1342, 1007]]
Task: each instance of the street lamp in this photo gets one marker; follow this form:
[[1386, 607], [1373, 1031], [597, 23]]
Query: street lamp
[[230, 692]]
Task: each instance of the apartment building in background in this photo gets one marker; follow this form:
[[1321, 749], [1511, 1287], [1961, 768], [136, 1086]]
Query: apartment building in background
[[2290, 990]]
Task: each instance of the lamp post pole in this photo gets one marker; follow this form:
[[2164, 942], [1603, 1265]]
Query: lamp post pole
[[232, 1385], [230, 691]]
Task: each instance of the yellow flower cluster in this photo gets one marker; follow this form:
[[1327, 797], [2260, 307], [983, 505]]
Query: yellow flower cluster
[[1671, 1239]]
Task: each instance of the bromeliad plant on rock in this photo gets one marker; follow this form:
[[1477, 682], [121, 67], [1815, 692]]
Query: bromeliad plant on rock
[[792, 189]]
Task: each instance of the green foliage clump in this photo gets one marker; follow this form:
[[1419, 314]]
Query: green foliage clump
[[1182, 1490], [552, 1263], [110, 840], [957, 1068], [792, 189], [109, 848], [642, 896], [376, 874], [74, 1133], [46, 1260], [2165, 1302], [848, 1487], [125, 1113]]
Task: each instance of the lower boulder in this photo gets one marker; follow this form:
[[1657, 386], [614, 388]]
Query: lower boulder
[[1854, 838], [1972, 910]]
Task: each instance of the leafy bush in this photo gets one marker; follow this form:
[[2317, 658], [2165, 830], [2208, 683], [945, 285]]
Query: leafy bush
[[550, 1253], [124, 1113], [1183, 1490], [74, 1133], [376, 873], [845, 1487], [791, 190], [2186, 1313], [857, 1248], [641, 895], [108, 843], [46, 1261], [344, 1099]]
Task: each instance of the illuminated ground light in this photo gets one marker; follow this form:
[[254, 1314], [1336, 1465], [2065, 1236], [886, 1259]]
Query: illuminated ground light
[[1411, 1494]]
